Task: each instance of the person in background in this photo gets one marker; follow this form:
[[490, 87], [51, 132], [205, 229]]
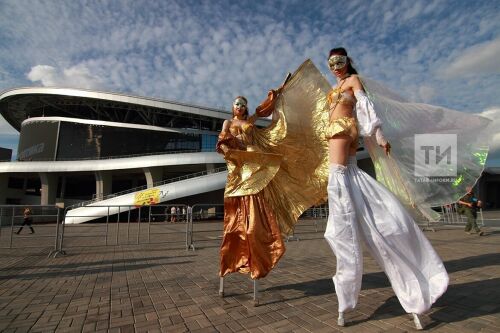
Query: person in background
[[469, 204], [27, 220], [173, 214]]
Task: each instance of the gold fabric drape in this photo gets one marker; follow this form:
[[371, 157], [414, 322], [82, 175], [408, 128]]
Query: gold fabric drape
[[277, 173], [297, 134]]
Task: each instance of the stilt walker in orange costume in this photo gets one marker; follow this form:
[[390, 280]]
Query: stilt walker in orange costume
[[267, 170]]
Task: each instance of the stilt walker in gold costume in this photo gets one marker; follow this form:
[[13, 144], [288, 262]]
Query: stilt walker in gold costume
[[267, 170], [252, 239]]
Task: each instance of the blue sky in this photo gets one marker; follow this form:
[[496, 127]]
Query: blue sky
[[206, 52]]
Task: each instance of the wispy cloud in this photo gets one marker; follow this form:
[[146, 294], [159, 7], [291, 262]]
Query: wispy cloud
[[208, 52], [476, 61]]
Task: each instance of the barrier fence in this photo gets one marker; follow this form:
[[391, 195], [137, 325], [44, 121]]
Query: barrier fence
[[206, 223], [450, 215], [200, 225], [40, 231], [126, 224]]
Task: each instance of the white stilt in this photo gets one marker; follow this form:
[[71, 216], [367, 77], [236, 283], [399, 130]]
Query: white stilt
[[418, 323], [221, 287], [255, 290], [340, 320], [255, 293]]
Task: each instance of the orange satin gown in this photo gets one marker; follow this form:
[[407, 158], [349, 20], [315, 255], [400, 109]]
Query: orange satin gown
[[274, 173], [252, 241]]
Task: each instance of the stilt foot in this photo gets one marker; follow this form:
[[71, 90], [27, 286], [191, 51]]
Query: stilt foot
[[418, 323], [341, 320]]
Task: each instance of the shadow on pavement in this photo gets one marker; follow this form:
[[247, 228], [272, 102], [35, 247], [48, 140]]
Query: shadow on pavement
[[83, 269]]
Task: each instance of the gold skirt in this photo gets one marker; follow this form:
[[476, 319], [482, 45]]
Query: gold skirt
[[342, 126]]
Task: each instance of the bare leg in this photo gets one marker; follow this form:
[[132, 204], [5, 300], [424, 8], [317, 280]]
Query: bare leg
[[339, 149]]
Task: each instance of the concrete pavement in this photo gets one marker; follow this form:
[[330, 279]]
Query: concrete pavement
[[161, 287]]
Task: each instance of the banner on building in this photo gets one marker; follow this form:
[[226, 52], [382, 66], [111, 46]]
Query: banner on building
[[147, 197]]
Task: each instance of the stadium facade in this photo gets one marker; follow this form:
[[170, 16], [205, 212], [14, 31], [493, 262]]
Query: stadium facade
[[88, 147], [77, 145]]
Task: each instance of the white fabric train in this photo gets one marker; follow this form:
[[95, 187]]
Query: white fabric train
[[363, 209]]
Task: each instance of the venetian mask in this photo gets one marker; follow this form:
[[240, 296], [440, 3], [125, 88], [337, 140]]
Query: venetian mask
[[239, 102], [336, 61]]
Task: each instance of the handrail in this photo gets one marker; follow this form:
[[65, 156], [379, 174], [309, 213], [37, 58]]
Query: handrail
[[115, 156], [143, 187]]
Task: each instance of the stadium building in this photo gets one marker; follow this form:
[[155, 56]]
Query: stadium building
[[78, 145]]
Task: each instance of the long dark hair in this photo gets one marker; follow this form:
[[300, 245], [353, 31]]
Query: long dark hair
[[246, 108], [342, 51]]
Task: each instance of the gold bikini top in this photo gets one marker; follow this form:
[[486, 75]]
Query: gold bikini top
[[337, 96]]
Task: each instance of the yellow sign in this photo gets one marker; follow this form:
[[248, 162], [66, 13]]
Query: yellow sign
[[148, 197]]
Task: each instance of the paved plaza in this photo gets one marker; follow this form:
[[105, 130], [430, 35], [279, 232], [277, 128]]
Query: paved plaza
[[159, 286]]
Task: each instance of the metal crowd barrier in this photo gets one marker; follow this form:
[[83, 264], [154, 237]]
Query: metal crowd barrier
[[125, 225], [43, 218], [450, 215], [205, 223], [317, 215], [208, 219]]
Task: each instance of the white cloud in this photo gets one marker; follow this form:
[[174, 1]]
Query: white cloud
[[492, 113], [477, 60], [46, 74], [76, 77]]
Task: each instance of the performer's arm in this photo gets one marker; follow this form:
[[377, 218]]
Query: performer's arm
[[382, 141], [266, 107], [221, 147], [369, 123]]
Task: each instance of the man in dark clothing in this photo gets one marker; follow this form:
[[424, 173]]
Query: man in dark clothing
[[468, 207], [27, 220]]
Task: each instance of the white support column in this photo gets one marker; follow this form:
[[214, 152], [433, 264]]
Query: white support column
[[49, 188], [103, 183], [153, 175]]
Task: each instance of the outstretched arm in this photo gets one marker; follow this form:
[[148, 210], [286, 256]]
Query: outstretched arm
[[368, 120], [266, 108]]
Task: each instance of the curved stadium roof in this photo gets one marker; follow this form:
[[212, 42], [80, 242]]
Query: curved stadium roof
[[19, 104]]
